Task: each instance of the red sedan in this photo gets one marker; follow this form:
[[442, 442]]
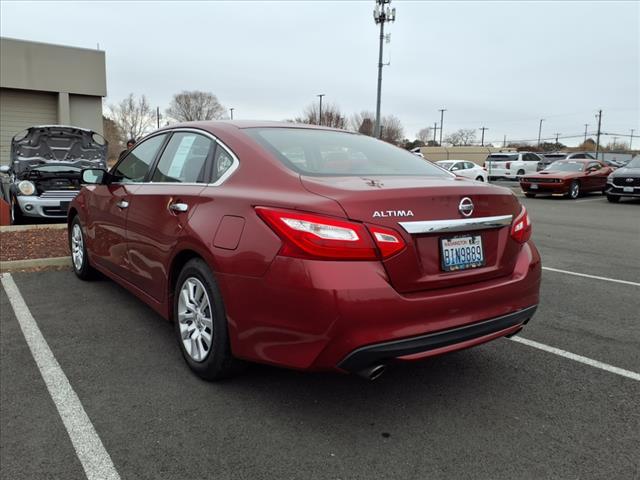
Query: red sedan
[[568, 178], [305, 247]]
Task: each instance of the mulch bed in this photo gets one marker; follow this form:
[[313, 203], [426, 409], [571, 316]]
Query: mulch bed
[[36, 243]]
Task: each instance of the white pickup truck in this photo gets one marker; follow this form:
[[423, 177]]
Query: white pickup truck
[[511, 165]]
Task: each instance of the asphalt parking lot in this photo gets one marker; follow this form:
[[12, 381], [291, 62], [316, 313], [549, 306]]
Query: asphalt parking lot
[[504, 410]]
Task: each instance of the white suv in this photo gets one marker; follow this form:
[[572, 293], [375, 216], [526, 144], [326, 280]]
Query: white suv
[[511, 165]]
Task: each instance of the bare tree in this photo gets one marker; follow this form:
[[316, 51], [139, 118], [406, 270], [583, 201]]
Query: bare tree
[[331, 116], [424, 135], [114, 137], [392, 130], [133, 116], [464, 136], [189, 106], [363, 122]]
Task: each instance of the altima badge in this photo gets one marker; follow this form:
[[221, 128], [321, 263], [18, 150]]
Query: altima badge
[[466, 206]]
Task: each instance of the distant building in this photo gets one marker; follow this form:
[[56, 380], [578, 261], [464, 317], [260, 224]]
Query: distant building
[[44, 84]]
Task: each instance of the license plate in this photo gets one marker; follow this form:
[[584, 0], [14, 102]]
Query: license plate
[[627, 189], [461, 253], [533, 186], [64, 206]]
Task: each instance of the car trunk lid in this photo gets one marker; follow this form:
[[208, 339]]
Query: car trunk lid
[[400, 202]]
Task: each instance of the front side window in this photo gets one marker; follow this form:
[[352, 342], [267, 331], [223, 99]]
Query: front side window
[[134, 166], [566, 166], [184, 159], [331, 153], [594, 166]]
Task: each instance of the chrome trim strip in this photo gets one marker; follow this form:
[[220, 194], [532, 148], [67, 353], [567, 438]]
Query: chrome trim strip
[[457, 225]]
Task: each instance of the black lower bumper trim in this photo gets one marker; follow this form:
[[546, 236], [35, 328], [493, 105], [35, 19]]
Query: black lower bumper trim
[[382, 352]]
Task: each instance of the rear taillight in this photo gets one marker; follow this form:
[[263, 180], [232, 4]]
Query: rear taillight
[[308, 235], [507, 165], [521, 227]]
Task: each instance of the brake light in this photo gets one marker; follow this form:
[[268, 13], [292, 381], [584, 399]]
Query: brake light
[[521, 227], [308, 235], [507, 165]]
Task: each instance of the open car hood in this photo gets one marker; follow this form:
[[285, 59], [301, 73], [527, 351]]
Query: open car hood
[[57, 144]]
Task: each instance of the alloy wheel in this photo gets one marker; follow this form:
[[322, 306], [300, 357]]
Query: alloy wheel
[[77, 247], [575, 190], [195, 319]]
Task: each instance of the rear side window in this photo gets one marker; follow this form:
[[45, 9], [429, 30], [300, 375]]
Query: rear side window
[[135, 165], [325, 152], [184, 159], [503, 158]]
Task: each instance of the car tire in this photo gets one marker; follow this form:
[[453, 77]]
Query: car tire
[[520, 173], [201, 323], [15, 212], [574, 190], [78, 249], [530, 195], [613, 198], [479, 178]]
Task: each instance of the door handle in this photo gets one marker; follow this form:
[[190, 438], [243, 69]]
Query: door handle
[[122, 204], [178, 207]]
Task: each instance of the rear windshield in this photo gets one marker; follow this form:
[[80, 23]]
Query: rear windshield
[[325, 152], [502, 158], [566, 166]]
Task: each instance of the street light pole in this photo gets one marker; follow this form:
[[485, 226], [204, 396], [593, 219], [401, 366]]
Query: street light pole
[[599, 115], [442, 110], [482, 141], [557, 135], [320, 95], [382, 13], [435, 131], [540, 131], [231, 111], [631, 139], [585, 132]]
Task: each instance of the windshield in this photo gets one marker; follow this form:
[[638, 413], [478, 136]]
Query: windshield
[[635, 163], [554, 155], [566, 166], [502, 158], [56, 168], [325, 152]]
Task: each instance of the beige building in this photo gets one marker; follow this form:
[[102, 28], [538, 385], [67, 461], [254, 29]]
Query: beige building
[[474, 154], [44, 84]]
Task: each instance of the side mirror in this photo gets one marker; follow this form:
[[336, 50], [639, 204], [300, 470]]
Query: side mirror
[[5, 169], [94, 176], [453, 169]]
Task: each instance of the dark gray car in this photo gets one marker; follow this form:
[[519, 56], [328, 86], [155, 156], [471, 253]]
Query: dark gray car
[[45, 169], [624, 182]]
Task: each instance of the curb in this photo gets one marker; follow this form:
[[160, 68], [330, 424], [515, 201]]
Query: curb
[[11, 265], [46, 226]]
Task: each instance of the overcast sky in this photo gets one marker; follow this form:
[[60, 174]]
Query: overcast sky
[[503, 65]]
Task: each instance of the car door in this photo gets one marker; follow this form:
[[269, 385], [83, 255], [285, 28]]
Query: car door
[[161, 208], [597, 175], [108, 206]]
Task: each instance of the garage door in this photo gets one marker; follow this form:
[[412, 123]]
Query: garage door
[[20, 109]]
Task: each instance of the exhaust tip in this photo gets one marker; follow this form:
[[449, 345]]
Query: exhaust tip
[[373, 372]]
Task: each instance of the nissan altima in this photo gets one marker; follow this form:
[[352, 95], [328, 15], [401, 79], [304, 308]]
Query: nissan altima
[[305, 247]]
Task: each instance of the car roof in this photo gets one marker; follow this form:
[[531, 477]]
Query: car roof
[[242, 124]]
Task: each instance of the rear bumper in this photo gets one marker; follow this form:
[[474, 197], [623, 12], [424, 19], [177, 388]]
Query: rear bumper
[[475, 333], [311, 315]]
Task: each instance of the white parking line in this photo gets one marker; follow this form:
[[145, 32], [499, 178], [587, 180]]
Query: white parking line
[[606, 279], [579, 358], [95, 460]]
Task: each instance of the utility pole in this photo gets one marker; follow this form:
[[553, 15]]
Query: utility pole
[[504, 142], [381, 14], [482, 141], [158, 117], [615, 142], [231, 112], [435, 130], [557, 135], [599, 116], [540, 130], [585, 132], [631, 139], [442, 110], [320, 95]]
